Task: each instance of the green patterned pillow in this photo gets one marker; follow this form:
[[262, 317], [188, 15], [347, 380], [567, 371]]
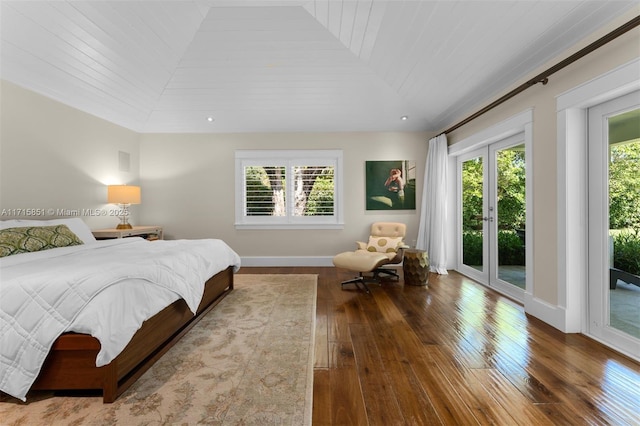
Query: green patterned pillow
[[35, 238], [384, 244]]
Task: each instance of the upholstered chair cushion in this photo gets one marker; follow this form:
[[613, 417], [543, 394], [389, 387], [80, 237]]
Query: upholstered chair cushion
[[388, 229]]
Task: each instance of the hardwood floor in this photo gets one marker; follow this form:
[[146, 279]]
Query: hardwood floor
[[455, 353]]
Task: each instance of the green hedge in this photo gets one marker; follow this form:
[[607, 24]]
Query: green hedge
[[472, 248], [626, 251], [510, 248]]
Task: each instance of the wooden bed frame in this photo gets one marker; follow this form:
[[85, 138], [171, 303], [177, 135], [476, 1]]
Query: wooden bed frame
[[71, 363]]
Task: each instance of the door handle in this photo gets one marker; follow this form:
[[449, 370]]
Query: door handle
[[488, 219]]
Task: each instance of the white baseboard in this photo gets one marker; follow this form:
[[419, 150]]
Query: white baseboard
[[284, 261], [555, 316]]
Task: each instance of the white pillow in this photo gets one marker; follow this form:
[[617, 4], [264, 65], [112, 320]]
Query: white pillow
[[75, 224]]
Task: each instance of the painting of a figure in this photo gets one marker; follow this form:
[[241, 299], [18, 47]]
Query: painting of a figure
[[391, 185]]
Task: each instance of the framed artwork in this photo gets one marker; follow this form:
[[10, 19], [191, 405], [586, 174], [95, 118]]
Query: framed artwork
[[390, 185]]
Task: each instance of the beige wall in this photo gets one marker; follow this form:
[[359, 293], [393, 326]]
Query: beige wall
[[56, 157], [545, 177], [188, 183]]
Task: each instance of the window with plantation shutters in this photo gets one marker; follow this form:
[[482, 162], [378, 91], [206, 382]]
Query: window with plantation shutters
[[288, 189]]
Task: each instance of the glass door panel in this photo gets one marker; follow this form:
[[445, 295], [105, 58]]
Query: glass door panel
[[492, 215], [511, 214], [614, 223], [472, 213], [624, 222]]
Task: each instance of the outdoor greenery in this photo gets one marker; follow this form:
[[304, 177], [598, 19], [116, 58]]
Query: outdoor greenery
[[510, 208], [624, 186], [259, 192], [510, 191], [266, 191], [320, 200], [624, 205], [472, 248], [510, 248], [626, 249]]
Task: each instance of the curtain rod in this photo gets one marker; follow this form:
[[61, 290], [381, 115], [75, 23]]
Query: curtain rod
[[543, 77]]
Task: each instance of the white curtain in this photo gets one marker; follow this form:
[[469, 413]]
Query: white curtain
[[433, 214]]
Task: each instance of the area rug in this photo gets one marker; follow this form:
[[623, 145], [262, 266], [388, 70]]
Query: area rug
[[247, 362]]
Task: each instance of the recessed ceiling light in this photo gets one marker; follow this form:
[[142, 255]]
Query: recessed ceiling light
[[210, 119], [404, 118]]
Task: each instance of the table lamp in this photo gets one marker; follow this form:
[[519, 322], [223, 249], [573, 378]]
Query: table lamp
[[124, 195]]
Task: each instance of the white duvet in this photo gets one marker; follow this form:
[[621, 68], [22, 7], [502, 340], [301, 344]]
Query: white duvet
[[106, 289]]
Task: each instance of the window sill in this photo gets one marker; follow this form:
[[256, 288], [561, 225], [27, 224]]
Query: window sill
[[251, 226]]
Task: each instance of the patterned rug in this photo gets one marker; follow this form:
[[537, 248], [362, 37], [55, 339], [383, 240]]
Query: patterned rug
[[249, 361]]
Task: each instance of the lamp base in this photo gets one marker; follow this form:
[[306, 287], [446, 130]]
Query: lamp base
[[124, 226]]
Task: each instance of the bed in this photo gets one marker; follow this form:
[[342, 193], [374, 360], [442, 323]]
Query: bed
[[97, 314]]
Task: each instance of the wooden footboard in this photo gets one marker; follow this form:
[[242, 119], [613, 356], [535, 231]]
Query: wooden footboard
[[71, 361]]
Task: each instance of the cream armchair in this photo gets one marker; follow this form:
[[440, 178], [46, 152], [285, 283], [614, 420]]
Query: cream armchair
[[384, 247]]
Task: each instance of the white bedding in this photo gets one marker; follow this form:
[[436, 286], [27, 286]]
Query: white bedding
[[106, 289]]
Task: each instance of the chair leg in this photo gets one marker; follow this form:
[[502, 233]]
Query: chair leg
[[391, 272], [359, 282]]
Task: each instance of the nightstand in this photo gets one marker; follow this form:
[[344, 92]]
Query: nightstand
[[147, 232]]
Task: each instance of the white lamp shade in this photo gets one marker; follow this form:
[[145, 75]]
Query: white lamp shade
[[123, 194]]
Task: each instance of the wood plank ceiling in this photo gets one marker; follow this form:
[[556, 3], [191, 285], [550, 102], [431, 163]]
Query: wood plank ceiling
[[289, 65]]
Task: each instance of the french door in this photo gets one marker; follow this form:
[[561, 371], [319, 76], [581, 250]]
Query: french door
[[492, 215], [614, 223]]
